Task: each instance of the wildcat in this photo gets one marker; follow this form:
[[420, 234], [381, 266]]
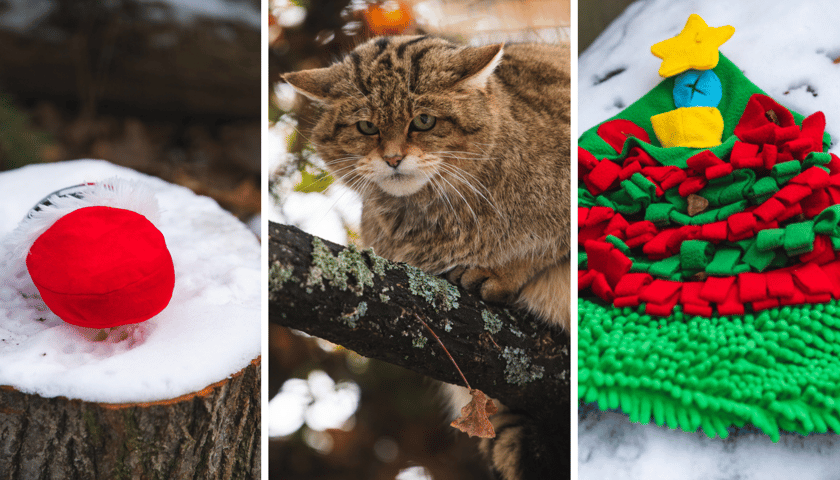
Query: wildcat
[[461, 157]]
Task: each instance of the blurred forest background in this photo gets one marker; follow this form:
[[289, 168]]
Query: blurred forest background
[[334, 414], [166, 87]]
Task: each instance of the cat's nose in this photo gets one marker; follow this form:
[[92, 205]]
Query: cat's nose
[[393, 160]]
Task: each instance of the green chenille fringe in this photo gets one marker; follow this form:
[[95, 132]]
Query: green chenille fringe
[[778, 369]]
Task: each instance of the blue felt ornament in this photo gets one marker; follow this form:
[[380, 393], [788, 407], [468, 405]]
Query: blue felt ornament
[[697, 88]]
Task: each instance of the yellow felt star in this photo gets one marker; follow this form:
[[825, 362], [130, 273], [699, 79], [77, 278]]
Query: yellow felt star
[[695, 47]]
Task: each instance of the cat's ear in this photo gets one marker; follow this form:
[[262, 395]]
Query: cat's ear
[[479, 63], [315, 84]]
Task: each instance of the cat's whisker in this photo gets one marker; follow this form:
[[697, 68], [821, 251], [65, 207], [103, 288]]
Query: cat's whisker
[[341, 160], [464, 156], [465, 182], [358, 182], [462, 175], [343, 180], [456, 151], [349, 157], [350, 179], [488, 145], [459, 173], [332, 170], [457, 154], [339, 174], [443, 191], [359, 90], [475, 217], [454, 157], [330, 165], [440, 191]]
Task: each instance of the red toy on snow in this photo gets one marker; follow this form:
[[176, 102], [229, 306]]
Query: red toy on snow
[[95, 255]]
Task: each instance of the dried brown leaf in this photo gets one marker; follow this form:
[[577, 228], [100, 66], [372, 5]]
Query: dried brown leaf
[[474, 419]]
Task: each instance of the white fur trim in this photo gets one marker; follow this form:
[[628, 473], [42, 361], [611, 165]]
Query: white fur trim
[[112, 192]]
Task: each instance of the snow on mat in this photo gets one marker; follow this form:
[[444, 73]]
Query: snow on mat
[[209, 331], [611, 447]]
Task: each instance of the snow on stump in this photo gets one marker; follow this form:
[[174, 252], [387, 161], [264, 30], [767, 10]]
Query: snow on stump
[[175, 396]]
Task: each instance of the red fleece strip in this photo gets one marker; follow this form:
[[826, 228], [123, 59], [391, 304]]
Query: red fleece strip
[[745, 155], [603, 177], [598, 214], [715, 289], [586, 161], [794, 285], [605, 258], [732, 304], [752, 287], [616, 132], [780, 284], [812, 280], [583, 212]]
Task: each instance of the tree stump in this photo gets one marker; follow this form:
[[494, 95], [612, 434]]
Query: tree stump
[[211, 434]]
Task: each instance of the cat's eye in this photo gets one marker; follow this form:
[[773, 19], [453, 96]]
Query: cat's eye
[[366, 127], [423, 122]]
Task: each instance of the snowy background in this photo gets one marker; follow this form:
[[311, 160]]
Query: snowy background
[[789, 50], [209, 330]]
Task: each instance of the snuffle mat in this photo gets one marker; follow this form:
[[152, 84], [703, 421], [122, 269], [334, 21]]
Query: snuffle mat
[[709, 224]]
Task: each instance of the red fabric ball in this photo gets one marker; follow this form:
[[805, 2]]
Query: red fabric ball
[[102, 267]]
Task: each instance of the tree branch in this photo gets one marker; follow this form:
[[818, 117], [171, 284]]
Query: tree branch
[[373, 307]]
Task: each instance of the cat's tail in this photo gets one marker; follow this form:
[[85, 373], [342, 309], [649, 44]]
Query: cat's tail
[[527, 449]]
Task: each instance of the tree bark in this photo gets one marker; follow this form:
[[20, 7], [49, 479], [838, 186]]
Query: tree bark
[[211, 434], [377, 308]]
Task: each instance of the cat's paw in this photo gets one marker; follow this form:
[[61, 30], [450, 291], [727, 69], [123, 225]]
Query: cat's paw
[[454, 275], [491, 286], [499, 290]]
